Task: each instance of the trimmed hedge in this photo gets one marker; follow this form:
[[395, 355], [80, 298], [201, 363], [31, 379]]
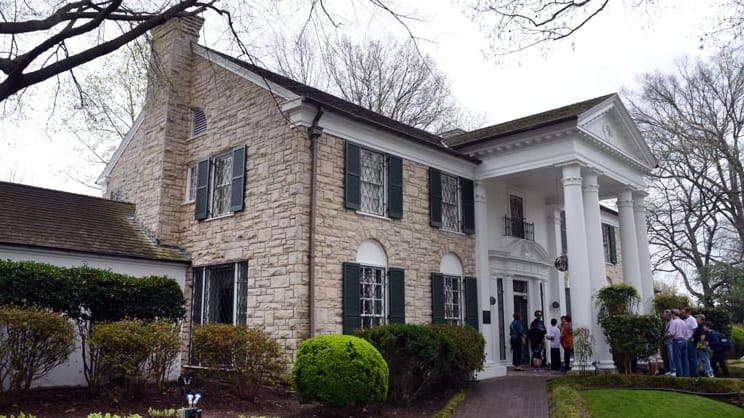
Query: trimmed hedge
[[700, 385], [417, 356], [469, 355], [737, 336], [104, 296], [340, 371]]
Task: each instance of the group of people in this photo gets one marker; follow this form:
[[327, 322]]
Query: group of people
[[689, 340], [558, 336]]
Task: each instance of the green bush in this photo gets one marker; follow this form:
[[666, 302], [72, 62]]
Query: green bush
[[32, 343], [469, 354], [737, 336], [417, 356], [20, 415], [719, 317], [245, 358], [133, 351], [340, 370], [110, 415], [664, 301], [650, 382]]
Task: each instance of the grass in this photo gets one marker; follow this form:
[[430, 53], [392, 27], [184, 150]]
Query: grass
[[736, 368], [623, 403], [567, 402], [453, 403]]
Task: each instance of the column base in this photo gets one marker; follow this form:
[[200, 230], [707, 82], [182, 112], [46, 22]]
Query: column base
[[490, 371]]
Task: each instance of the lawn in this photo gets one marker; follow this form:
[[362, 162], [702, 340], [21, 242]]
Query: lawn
[[623, 403]]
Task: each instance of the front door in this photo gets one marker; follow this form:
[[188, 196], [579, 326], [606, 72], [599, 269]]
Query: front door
[[521, 305]]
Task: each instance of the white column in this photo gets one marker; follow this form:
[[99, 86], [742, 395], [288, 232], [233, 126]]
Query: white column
[[482, 272], [508, 312], [556, 286], [578, 256], [644, 259], [629, 242], [595, 248]]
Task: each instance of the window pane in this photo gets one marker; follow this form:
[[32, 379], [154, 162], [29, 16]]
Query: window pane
[[372, 182], [453, 300], [450, 203], [221, 290], [222, 181], [372, 296], [191, 184]]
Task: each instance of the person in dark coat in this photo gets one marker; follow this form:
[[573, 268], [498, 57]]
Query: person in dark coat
[[536, 335], [516, 334]]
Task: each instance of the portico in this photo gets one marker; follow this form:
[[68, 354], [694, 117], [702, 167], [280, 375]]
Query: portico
[[537, 197]]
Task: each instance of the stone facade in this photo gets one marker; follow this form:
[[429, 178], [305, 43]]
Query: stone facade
[[271, 234]]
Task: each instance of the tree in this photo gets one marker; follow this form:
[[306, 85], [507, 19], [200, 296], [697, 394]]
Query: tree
[[693, 121], [384, 75], [517, 25]]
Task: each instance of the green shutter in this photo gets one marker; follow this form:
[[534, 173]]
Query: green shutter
[[395, 187], [397, 290], [437, 298], [238, 180], [352, 188], [471, 301], [435, 197], [201, 206], [197, 285], [468, 206], [613, 247], [351, 307]]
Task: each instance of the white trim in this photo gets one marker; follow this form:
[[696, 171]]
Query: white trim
[[450, 265], [302, 114], [243, 72], [102, 179], [371, 253]]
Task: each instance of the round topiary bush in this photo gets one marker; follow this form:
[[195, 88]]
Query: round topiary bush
[[340, 370]]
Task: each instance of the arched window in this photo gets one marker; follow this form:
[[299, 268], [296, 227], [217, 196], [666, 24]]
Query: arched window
[[372, 262], [454, 293]]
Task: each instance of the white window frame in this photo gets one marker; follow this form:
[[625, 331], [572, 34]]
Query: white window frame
[[362, 182], [458, 203], [190, 195], [374, 317], [454, 306], [227, 185]]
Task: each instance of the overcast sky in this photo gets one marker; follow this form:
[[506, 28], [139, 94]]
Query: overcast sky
[[607, 55]]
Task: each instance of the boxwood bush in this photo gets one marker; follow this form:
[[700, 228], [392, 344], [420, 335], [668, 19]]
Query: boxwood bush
[[469, 354], [340, 371], [32, 343], [416, 354], [244, 358], [737, 336]]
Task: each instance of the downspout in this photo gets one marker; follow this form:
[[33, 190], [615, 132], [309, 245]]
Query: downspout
[[313, 133]]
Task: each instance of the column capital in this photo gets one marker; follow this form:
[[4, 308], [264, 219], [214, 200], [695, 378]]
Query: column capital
[[571, 175], [625, 199]]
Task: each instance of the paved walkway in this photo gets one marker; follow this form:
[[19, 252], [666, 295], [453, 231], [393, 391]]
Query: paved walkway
[[517, 395]]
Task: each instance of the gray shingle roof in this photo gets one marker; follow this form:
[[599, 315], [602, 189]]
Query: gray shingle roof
[[538, 120], [36, 217]]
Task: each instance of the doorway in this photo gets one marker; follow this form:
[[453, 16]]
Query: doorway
[[521, 306]]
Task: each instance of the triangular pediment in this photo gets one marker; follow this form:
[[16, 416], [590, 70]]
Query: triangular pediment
[[610, 123]]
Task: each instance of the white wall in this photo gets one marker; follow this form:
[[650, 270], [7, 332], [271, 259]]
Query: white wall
[[71, 373]]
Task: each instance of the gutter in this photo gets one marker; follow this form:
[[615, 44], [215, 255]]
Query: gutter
[[313, 133]]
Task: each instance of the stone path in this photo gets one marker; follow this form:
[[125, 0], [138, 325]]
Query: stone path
[[517, 395]]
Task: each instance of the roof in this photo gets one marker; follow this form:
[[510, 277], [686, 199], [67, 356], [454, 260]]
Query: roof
[[538, 120], [36, 217], [348, 109]]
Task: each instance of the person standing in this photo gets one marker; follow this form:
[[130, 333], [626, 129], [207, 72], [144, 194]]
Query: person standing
[[567, 342], [692, 360], [679, 331], [666, 341], [717, 343], [536, 335], [554, 336], [516, 335], [701, 345]]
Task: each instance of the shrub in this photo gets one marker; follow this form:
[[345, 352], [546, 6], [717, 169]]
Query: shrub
[[135, 350], [719, 317], [20, 415], [340, 370], [664, 301], [469, 354], [416, 355], [737, 335], [110, 415], [583, 347], [245, 358], [32, 342]]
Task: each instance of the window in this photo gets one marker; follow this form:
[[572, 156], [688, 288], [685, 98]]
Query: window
[[190, 184], [219, 186], [372, 296], [516, 211], [450, 203], [608, 240], [220, 294], [198, 122], [564, 235], [372, 182], [453, 305]]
